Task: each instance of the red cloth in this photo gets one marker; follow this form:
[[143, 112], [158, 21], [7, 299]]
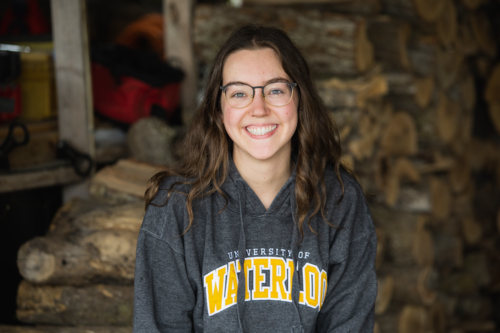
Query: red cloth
[[26, 18], [13, 92], [130, 99]]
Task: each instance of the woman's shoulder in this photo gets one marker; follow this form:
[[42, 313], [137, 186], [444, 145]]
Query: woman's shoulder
[[349, 183], [166, 210]]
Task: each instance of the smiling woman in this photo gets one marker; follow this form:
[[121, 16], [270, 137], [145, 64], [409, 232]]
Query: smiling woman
[[223, 245]]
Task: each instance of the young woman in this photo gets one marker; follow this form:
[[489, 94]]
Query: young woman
[[259, 228]]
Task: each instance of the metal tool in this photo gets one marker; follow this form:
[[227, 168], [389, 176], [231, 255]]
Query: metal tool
[[82, 163], [11, 143]]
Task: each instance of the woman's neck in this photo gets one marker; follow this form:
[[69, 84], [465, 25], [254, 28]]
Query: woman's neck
[[265, 177]]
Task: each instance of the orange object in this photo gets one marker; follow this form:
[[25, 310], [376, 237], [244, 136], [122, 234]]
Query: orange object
[[144, 33]]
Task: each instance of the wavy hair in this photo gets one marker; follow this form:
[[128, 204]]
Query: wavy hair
[[205, 164]]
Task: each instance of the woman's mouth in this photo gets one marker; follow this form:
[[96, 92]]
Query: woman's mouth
[[260, 130]]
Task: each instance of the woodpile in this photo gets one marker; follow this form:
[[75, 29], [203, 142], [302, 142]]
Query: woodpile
[[81, 273], [415, 92]]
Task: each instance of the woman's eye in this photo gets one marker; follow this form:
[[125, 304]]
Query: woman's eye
[[238, 95], [275, 92]]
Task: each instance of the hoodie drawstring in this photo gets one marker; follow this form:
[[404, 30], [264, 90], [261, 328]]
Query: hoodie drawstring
[[240, 303], [240, 296]]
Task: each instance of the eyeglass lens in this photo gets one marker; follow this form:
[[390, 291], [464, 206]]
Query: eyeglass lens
[[276, 94]]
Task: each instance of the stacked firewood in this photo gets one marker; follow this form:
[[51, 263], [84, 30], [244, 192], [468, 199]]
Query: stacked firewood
[[402, 79], [81, 272]]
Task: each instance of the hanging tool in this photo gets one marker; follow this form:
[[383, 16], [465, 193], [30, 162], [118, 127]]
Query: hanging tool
[[82, 163], [11, 143]]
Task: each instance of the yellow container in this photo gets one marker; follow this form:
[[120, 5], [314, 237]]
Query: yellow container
[[37, 86]]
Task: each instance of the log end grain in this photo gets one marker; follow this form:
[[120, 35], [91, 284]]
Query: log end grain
[[400, 136], [384, 295], [364, 49], [414, 319], [37, 267]]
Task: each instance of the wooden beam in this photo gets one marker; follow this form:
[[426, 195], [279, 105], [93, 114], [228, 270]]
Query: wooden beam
[[292, 2], [72, 66], [37, 178], [74, 94], [178, 20]]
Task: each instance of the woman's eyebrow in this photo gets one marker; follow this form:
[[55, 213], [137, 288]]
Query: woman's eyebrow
[[276, 79]]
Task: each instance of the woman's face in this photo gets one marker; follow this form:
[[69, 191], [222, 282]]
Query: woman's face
[[259, 131]]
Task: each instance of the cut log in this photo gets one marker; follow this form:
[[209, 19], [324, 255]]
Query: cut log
[[359, 7], [414, 199], [87, 242], [448, 64], [95, 257], [384, 295], [125, 181], [408, 242], [447, 119], [388, 322], [481, 28], [369, 131], [381, 240], [400, 137], [478, 326], [477, 265], [483, 65], [448, 250], [474, 307], [473, 4], [447, 25], [402, 170], [459, 283], [498, 221], [423, 52], [80, 215], [441, 198], [438, 318], [419, 90], [335, 44], [65, 329], [291, 2], [415, 10], [390, 42], [460, 175], [412, 284], [463, 91], [414, 319], [97, 305], [398, 179], [466, 40], [337, 92], [472, 231], [493, 97]]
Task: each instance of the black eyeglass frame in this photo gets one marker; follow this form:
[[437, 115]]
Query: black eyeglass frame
[[292, 85]]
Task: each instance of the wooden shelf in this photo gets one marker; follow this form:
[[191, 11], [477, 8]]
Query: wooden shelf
[[49, 175]]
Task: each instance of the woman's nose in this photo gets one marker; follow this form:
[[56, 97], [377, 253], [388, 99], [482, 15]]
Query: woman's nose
[[259, 105]]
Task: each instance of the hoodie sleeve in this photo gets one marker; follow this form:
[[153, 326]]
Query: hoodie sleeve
[[352, 282], [163, 296]]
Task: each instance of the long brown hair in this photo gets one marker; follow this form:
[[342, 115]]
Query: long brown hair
[[204, 167]]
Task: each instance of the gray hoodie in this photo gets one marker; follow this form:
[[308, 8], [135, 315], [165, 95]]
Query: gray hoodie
[[244, 268]]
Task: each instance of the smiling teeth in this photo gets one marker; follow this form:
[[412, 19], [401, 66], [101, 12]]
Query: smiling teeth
[[260, 130]]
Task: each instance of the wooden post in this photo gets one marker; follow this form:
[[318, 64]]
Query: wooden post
[[178, 21], [72, 67]]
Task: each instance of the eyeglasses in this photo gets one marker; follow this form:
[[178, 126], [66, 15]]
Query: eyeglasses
[[240, 95]]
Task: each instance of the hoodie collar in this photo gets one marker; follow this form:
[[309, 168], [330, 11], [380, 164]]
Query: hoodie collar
[[252, 205]]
